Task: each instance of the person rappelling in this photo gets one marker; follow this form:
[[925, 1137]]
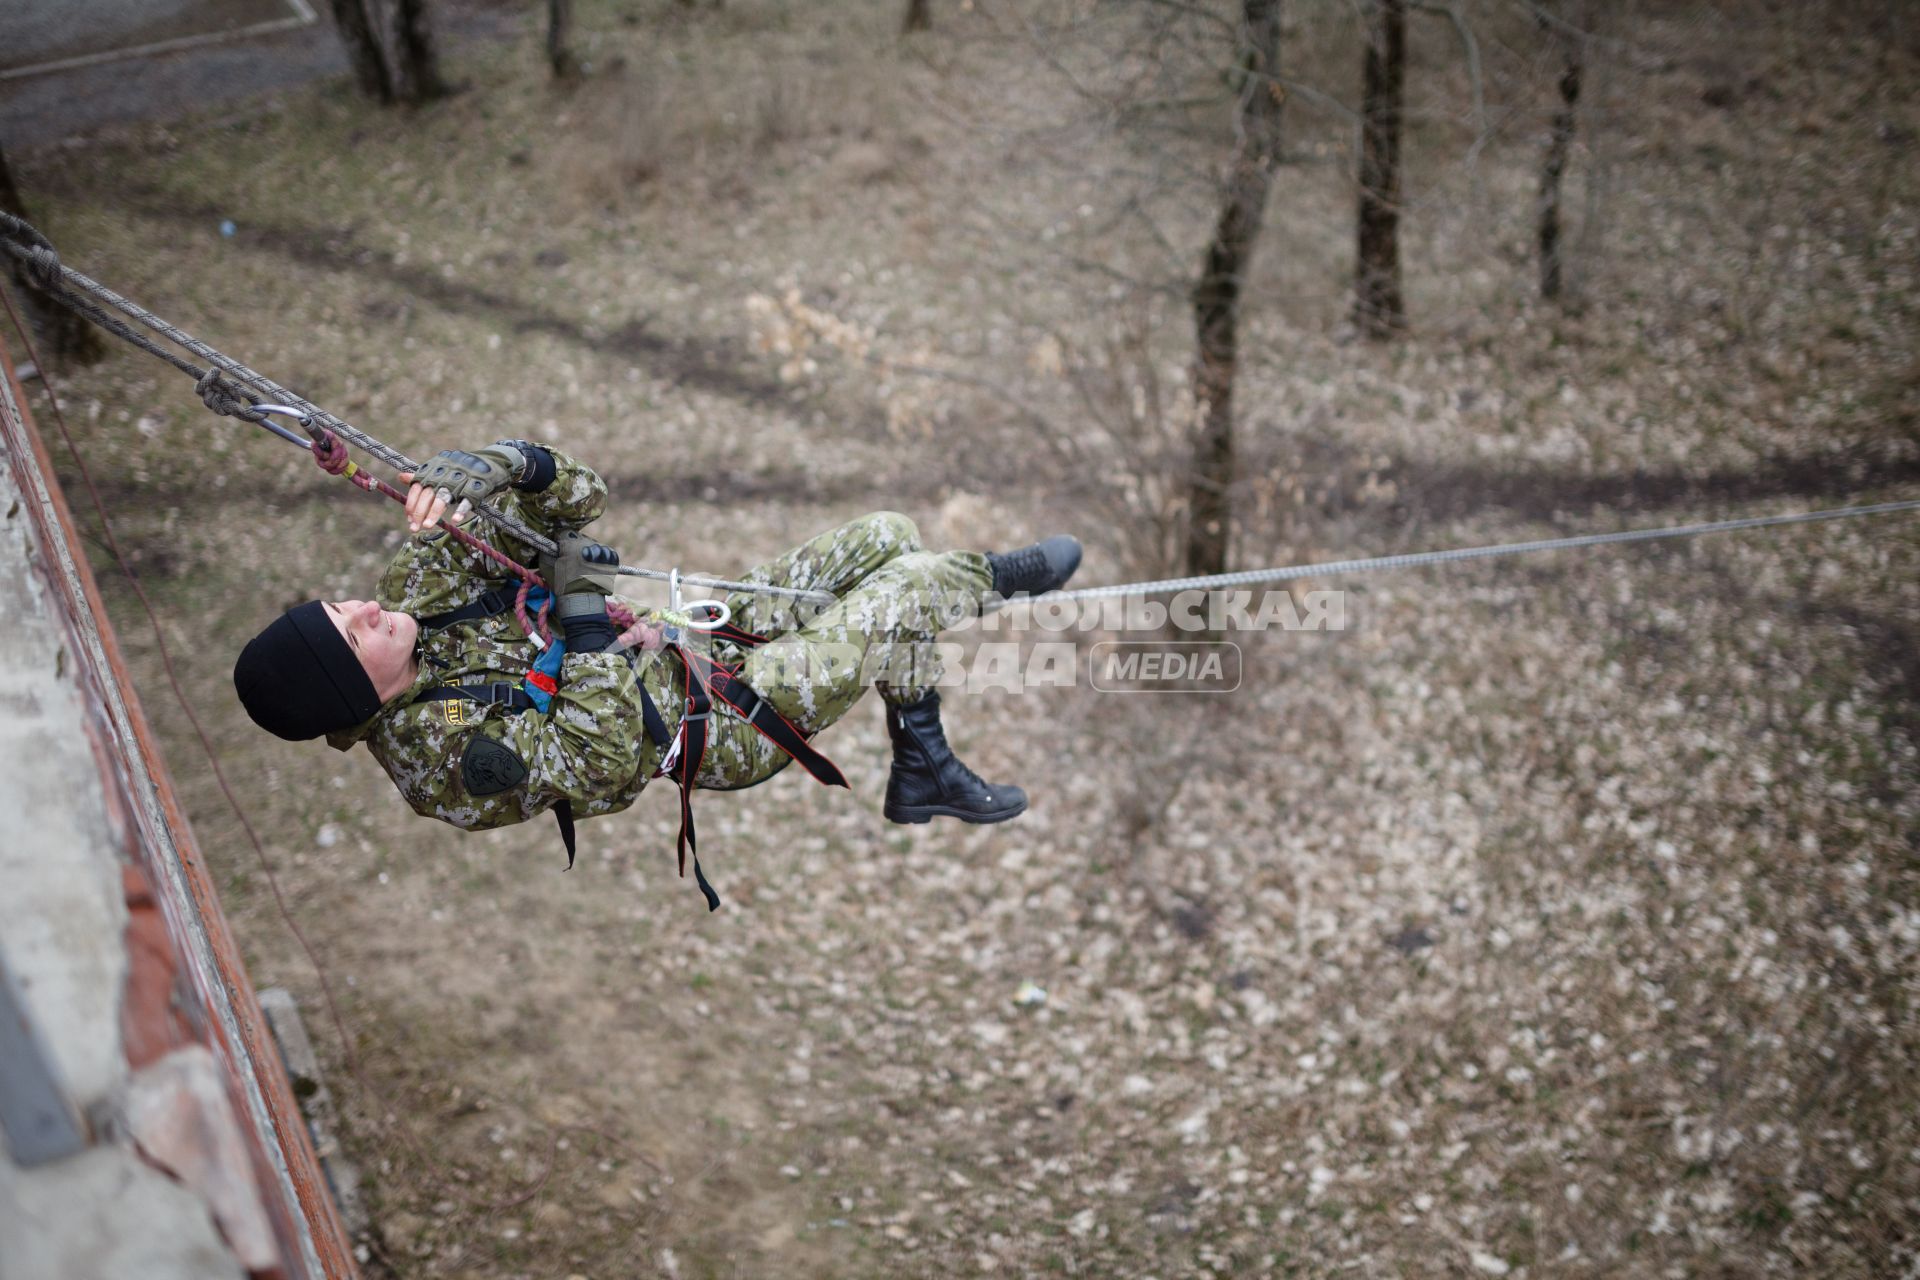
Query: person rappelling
[[483, 718], [482, 722]]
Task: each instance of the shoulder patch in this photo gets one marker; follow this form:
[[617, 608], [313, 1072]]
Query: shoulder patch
[[460, 713], [488, 767]]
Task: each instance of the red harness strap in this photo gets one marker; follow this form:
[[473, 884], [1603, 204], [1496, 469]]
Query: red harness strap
[[724, 684], [708, 680]]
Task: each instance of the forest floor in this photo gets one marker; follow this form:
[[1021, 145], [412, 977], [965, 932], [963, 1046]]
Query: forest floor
[[1557, 917]]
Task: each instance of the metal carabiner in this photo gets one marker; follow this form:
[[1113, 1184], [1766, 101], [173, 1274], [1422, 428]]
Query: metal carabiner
[[297, 415]]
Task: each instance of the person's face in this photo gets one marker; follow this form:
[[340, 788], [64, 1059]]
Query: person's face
[[383, 642]]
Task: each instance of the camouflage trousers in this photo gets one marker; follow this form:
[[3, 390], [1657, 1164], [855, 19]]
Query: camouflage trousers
[[891, 599]]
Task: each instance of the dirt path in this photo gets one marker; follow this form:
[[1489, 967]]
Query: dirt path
[[208, 78]]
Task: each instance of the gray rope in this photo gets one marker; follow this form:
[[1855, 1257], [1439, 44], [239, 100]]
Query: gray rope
[[33, 250], [1372, 564], [215, 392]]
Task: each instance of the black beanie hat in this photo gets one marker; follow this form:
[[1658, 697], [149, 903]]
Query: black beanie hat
[[300, 678]]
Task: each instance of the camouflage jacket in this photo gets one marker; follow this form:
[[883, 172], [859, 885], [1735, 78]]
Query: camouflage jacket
[[479, 765]]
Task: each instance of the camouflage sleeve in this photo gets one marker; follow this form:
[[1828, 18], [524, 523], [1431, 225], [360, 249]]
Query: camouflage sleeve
[[587, 746], [479, 768], [576, 498]]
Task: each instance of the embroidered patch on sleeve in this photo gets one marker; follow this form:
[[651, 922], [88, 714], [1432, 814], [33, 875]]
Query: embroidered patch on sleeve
[[488, 767]]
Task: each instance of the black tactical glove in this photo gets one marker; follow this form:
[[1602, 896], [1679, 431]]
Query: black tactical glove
[[581, 573], [473, 476]]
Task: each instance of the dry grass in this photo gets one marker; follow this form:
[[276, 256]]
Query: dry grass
[[1560, 917]]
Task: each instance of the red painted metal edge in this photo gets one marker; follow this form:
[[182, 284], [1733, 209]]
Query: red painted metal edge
[[311, 1215]]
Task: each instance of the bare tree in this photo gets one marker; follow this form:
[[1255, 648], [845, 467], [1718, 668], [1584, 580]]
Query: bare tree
[[919, 16], [416, 67], [560, 39], [1379, 309], [1559, 143], [391, 50], [67, 336], [360, 33], [1216, 296]]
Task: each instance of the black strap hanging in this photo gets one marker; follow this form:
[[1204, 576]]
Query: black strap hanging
[[708, 681], [563, 814], [496, 599]]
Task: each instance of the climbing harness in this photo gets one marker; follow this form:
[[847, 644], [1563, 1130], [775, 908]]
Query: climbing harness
[[708, 681], [682, 752]]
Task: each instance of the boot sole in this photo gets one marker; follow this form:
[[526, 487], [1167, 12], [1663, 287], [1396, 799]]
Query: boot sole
[[913, 815]]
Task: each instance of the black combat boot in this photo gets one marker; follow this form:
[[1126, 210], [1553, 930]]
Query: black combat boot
[[928, 781], [1035, 570]]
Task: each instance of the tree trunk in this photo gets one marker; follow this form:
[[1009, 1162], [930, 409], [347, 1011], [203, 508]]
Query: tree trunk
[[1559, 144], [1216, 296], [919, 16], [417, 69], [67, 336], [560, 39], [1378, 307], [361, 36]]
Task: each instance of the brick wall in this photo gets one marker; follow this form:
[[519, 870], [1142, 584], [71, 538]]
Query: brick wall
[[146, 1125]]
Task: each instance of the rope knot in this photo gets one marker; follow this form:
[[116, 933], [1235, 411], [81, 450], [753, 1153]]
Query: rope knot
[[219, 395], [329, 453], [43, 268], [35, 253]]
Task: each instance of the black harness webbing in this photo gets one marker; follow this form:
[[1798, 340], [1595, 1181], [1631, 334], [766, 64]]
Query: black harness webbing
[[496, 599], [708, 680], [504, 692]]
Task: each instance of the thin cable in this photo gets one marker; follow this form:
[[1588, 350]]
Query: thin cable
[[721, 584], [33, 249], [1375, 564], [271, 390]]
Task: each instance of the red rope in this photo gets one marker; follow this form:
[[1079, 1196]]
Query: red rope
[[520, 611]]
